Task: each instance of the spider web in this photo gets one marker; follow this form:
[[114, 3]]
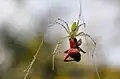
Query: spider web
[[91, 53]]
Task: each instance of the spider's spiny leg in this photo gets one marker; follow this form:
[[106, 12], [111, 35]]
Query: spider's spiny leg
[[54, 52], [65, 23]]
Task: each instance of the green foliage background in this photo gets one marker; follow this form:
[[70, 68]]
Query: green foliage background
[[42, 68]]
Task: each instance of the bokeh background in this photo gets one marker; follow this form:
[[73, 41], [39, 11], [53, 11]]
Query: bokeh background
[[24, 24]]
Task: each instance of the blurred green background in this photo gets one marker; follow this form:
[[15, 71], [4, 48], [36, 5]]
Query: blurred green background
[[24, 25]]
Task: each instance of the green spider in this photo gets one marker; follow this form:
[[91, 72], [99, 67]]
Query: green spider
[[73, 32]]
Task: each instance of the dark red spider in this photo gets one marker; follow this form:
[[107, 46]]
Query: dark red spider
[[74, 51]]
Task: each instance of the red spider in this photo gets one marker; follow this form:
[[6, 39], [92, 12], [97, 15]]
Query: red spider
[[74, 51]]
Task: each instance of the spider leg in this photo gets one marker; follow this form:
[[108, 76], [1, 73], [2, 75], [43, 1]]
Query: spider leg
[[66, 56], [54, 52], [68, 60], [80, 49], [63, 27], [79, 42], [56, 22], [53, 58], [83, 34], [80, 15], [73, 52], [83, 24], [65, 23]]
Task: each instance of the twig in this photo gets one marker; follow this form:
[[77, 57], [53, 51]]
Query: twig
[[53, 61], [32, 62]]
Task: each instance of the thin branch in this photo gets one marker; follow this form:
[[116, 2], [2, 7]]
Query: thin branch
[[53, 61], [32, 62]]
